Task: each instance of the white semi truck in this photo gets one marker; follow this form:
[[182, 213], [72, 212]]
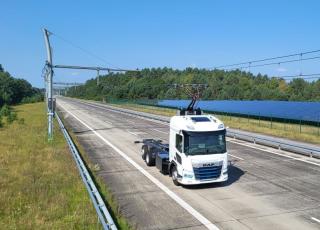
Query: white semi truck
[[196, 153]]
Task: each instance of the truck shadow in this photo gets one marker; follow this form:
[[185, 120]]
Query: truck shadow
[[234, 175]]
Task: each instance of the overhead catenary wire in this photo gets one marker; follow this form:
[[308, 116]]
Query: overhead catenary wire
[[274, 63], [266, 59], [246, 66], [84, 50], [303, 76], [249, 64]]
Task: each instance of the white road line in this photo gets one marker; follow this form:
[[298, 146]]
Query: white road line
[[315, 219], [132, 133], [174, 196], [127, 114], [131, 122], [279, 154], [159, 131], [235, 157]]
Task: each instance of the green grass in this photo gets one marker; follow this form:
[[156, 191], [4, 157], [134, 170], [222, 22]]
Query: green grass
[[40, 187], [307, 133]]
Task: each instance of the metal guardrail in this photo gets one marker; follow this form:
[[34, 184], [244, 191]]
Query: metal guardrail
[[281, 145], [101, 209], [291, 146]]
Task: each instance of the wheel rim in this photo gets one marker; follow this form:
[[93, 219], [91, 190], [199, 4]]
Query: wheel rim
[[147, 158], [174, 174]]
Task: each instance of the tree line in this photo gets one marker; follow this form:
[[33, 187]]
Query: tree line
[[221, 85], [15, 90]]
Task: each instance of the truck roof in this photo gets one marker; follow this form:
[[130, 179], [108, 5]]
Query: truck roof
[[196, 123]]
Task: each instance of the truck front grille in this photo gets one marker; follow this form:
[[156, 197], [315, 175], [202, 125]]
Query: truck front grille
[[207, 173]]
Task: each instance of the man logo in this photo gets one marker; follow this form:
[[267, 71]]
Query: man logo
[[208, 165]]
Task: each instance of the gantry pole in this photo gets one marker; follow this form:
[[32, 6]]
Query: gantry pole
[[98, 74], [49, 85]]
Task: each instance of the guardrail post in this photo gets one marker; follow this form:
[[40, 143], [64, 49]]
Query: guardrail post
[[300, 125], [318, 125]]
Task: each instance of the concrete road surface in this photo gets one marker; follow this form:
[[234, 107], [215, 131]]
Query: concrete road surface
[[267, 188]]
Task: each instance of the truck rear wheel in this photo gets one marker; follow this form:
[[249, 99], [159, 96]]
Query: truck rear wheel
[[149, 160], [174, 175], [144, 151]]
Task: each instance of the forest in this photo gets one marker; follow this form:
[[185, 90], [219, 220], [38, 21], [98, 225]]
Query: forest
[[15, 91], [156, 83]]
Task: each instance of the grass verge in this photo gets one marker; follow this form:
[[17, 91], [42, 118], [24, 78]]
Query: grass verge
[[40, 187], [305, 133]]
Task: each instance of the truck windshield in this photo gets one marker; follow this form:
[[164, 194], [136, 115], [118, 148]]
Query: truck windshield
[[199, 143]]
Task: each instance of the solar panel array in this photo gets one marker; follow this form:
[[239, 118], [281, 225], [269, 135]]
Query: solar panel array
[[304, 111]]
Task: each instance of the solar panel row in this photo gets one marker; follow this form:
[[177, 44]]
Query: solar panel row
[[305, 111]]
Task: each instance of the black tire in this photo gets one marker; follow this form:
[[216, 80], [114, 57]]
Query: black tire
[[149, 159], [144, 151], [174, 175]]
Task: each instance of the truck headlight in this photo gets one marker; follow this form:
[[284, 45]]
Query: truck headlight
[[188, 175]]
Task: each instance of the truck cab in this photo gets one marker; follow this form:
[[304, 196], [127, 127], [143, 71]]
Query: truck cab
[[197, 150]]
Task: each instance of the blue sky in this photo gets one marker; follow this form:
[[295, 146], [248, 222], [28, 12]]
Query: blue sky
[[173, 33]]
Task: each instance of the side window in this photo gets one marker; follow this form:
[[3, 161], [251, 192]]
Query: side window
[[179, 142]]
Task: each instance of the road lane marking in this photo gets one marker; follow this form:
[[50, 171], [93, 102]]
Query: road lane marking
[[159, 131], [125, 113], [132, 133], [279, 154], [315, 219], [235, 157], [170, 193]]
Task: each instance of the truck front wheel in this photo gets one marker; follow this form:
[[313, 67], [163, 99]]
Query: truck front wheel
[[174, 175]]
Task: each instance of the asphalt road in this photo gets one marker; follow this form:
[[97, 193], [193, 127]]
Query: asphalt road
[[267, 188]]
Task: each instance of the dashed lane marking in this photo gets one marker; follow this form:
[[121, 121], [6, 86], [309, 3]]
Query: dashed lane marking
[[235, 157], [279, 154], [315, 219], [159, 131]]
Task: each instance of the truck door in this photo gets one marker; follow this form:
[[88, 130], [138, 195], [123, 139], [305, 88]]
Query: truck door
[[179, 147]]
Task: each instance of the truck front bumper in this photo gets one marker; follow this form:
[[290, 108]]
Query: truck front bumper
[[192, 181]]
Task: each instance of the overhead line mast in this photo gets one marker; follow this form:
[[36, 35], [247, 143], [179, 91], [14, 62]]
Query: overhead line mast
[[48, 75], [48, 79]]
